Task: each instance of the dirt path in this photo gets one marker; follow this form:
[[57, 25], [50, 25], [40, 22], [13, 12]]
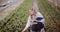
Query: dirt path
[[9, 8], [35, 5]]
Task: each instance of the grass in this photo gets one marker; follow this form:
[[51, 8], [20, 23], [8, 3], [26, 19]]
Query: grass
[[16, 20], [52, 17]]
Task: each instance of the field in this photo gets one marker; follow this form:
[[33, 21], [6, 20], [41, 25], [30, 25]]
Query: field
[[16, 20], [52, 23]]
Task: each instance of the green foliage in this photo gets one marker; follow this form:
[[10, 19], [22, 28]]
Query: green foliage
[[16, 20], [52, 17]]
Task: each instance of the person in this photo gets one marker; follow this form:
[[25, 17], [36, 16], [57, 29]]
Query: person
[[35, 21]]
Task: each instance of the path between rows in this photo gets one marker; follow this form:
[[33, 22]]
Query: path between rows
[[10, 8]]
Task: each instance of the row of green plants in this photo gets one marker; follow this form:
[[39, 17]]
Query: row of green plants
[[51, 16], [17, 19]]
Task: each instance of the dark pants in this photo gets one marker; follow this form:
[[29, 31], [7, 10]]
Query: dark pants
[[37, 27]]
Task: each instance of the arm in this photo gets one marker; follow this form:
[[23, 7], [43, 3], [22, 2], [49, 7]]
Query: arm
[[27, 25]]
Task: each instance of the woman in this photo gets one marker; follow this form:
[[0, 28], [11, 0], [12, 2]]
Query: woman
[[35, 21]]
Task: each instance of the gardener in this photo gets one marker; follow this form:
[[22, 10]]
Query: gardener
[[35, 21]]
